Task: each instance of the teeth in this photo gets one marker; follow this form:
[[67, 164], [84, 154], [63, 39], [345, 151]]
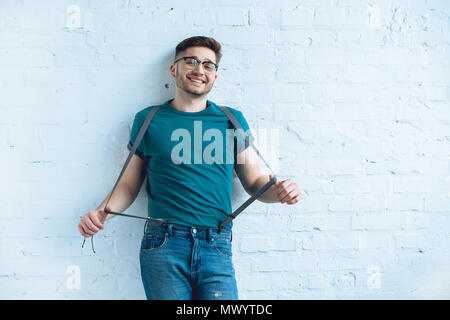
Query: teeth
[[195, 80]]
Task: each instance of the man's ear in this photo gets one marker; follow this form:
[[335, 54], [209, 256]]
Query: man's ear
[[173, 70]]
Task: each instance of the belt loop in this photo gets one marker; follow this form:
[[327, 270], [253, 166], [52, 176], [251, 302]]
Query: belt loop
[[145, 226], [209, 235], [169, 230]]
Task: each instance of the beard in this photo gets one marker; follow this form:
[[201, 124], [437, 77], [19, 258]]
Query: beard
[[184, 84]]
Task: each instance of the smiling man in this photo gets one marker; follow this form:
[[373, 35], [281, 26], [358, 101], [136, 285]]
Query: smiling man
[[189, 184]]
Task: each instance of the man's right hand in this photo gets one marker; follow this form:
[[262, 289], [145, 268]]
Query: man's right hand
[[92, 222]]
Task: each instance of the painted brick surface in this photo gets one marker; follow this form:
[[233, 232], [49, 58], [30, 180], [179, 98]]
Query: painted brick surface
[[349, 98]]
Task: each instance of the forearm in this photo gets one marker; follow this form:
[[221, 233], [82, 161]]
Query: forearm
[[120, 200], [270, 196]]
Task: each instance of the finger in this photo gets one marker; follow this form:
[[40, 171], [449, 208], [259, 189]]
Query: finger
[[89, 225], [289, 196], [284, 184], [87, 232], [81, 231], [95, 220], [295, 200], [285, 190], [288, 184]]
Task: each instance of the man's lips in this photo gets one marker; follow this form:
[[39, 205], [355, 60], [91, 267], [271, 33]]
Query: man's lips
[[192, 78]]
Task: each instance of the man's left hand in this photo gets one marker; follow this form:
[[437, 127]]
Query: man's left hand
[[287, 191]]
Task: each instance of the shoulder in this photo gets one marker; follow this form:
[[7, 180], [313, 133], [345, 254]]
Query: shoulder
[[237, 113], [142, 114], [239, 118]]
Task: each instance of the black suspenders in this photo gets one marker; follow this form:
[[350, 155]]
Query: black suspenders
[[132, 151], [241, 208], [236, 124]]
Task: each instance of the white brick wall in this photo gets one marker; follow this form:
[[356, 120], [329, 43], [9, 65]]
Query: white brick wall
[[359, 92]]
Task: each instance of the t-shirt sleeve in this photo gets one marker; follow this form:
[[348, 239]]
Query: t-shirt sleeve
[[137, 124], [243, 143]]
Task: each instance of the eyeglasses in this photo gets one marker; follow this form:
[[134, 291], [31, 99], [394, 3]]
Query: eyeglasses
[[193, 62]]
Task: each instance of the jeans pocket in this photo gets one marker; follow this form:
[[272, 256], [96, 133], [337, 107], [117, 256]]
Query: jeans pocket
[[152, 242], [223, 246]]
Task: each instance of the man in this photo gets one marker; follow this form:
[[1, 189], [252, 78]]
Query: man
[[189, 185]]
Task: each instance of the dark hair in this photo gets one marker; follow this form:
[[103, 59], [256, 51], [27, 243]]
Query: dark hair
[[200, 41]]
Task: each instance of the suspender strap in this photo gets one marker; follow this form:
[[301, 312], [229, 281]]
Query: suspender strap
[[246, 204], [237, 125], [132, 151]]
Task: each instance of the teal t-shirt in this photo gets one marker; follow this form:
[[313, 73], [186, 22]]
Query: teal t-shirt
[[190, 158]]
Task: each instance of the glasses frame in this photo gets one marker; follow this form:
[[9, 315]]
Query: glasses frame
[[198, 61]]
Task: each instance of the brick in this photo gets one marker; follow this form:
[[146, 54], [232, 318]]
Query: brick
[[426, 221], [379, 221], [324, 166], [279, 93], [25, 58], [200, 17], [297, 16], [404, 202], [330, 17], [9, 39], [436, 93], [437, 203], [228, 16], [353, 185], [232, 36], [304, 38], [257, 16], [30, 96], [359, 203], [320, 222], [283, 244], [375, 240], [325, 56], [411, 184], [65, 57], [254, 245]]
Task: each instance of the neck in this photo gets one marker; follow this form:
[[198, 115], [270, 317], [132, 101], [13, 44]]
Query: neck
[[188, 104]]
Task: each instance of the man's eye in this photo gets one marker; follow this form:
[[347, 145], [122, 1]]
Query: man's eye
[[190, 61], [209, 66]]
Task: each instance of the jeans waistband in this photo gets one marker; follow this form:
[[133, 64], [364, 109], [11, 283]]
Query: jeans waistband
[[201, 233]]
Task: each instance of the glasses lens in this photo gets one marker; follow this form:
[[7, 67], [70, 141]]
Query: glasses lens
[[191, 62], [210, 67]]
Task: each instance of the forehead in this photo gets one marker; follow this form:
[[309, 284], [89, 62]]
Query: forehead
[[201, 53]]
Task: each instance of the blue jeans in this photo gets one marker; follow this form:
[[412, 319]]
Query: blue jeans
[[184, 263]]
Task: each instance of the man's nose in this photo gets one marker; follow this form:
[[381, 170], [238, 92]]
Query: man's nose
[[201, 67]]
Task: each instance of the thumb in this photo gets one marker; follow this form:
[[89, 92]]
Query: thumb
[[103, 211], [271, 175]]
